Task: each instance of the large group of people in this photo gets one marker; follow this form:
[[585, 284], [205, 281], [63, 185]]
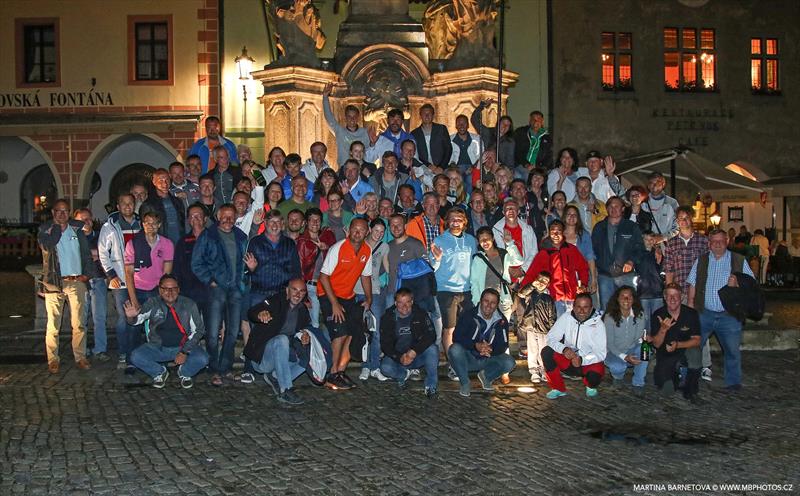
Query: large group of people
[[415, 247]]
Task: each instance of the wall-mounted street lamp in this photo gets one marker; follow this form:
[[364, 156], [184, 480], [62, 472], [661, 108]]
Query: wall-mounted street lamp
[[715, 220], [244, 64]]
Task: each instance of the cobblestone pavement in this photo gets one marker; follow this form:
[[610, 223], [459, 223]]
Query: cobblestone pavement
[[101, 432]]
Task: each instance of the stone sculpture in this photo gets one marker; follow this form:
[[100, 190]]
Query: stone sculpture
[[461, 31], [297, 31]]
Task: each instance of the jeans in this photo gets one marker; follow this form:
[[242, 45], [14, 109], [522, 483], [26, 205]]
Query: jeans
[[606, 287], [136, 333], [225, 305], [97, 305], [650, 305], [149, 358], [314, 299], [121, 327], [729, 334], [75, 293], [378, 307], [276, 361], [428, 359], [463, 361], [563, 306], [617, 366]]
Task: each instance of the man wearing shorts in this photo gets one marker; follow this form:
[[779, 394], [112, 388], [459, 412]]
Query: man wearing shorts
[[346, 262], [451, 254]]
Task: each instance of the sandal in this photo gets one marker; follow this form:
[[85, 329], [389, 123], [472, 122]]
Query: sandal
[[216, 380]]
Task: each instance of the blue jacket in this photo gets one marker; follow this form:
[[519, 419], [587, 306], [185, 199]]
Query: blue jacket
[[200, 148], [210, 263], [276, 266], [472, 329], [628, 246]]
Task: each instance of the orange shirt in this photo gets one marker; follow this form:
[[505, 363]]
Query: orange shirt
[[344, 266]]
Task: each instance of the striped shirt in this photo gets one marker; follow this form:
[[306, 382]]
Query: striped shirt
[[719, 270], [680, 254]]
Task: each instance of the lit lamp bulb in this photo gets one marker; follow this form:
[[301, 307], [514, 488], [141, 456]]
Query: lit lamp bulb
[[715, 219]]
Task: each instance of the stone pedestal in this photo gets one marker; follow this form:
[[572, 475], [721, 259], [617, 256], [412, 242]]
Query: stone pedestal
[[293, 113], [293, 99], [370, 22]]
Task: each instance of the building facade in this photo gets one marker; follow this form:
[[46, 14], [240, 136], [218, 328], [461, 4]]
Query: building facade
[[97, 94], [719, 77]]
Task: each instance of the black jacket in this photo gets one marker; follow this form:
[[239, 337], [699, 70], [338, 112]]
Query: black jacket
[[540, 313], [522, 143], [154, 204], [628, 246], [643, 219], [277, 305], [441, 146], [422, 332]]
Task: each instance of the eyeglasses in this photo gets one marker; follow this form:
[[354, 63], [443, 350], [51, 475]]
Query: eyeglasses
[[168, 289], [331, 200]]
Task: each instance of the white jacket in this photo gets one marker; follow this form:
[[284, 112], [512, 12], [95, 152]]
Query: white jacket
[[587, 338], [529, 244], [111, 248], [474, 149], [245, 222]]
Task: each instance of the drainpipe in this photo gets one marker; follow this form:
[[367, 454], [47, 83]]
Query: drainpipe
[[69, 170], [220, 54]]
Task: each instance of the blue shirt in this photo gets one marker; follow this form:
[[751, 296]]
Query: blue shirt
[[69, 253], [719, 270], [452, 271]]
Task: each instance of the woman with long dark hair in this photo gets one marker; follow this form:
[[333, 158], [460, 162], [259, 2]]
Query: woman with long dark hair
[[563, 177], [325, 183], [576, 234], [625, 329], [637, 195]]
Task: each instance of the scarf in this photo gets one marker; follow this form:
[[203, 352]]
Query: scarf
[[399, 140]]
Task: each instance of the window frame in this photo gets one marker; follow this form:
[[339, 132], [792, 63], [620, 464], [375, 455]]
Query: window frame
[[133, 20], [763, 57], [20, 24], [696, 52], [616, 53]]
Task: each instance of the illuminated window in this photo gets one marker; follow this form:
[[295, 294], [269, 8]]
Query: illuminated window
[[690, 59], [37, 47], [764, 66], [150, 56], [616, 61]]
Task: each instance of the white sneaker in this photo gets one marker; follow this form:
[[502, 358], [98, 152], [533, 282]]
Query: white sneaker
[[364, 375], [415, 375], [452, 374], [706, 374], [377, 375]]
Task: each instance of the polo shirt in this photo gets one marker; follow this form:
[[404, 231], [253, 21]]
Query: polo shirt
[[344, 266], [69, 252], [146, 279]]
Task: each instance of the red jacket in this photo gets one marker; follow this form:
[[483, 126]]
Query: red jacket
[[308, 251], [566, 266]]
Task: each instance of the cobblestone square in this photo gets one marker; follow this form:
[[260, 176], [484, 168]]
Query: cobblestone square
[[100, 432]]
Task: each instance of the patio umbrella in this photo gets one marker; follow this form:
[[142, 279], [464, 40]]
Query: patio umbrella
[[693, 173]]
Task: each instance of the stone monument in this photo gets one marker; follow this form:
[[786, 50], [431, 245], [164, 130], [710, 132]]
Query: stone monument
[[384, 59]]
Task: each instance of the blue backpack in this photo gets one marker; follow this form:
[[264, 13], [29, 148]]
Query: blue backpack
[[417, 275]]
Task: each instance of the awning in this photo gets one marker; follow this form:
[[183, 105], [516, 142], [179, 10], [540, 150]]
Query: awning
[[693, 173]]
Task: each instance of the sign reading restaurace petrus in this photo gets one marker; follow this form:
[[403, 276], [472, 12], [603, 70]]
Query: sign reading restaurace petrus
[[50, 99], [693, 125]]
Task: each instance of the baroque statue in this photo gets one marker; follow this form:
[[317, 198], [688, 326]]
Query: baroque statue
[[461, 31], [297, 31]]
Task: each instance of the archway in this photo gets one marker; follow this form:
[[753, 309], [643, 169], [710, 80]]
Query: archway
[[37, 193], [125, 178], [114, 154]]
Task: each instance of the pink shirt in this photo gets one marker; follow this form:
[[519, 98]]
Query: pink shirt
[[147, 278]]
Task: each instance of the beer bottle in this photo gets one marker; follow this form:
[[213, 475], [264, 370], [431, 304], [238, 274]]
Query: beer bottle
[[646, 349]]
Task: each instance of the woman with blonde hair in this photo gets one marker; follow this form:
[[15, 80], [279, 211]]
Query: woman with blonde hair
[[457, 195]]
